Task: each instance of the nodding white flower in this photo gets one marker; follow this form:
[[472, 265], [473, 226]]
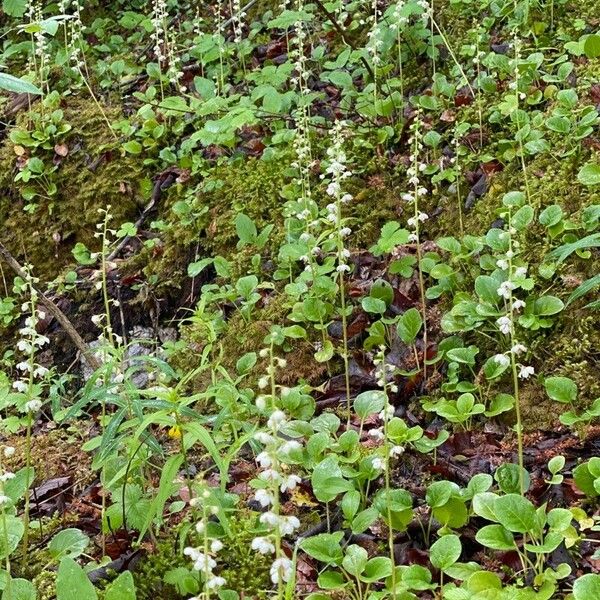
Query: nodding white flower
[[509, 253], [281, 362], [263, 437], [20, 385], [215, 582], [290, 446], [216, 546], [413, 237], [281, 570], [502, 360], [505, 289], [263, 497], [333, 189], [200, 525], [396, 451], [6, 476], [525, 372], [407, 197], [24, 366], [346, 198], [270, 475], [97, 319], [376, 434], [4, 499], [276, 420], [262, 545], [411, 222], [287, 525], [520, 271], [263, 382], [40, 371], [305, 237], [518, 304], [202, 562], [289, 483], [9, 451], [261, 402], [502, 264], [518, 349], [504, 324], [423, 217], [342, 268], [378, 463], [331, 208], [345, 231], [387, 413], [24, 346], [264, 459], [269, 518], [33, 405]]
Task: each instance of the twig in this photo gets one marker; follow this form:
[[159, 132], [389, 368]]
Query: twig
[[54, 310]]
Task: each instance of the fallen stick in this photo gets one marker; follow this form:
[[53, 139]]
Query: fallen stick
[[58, 314]]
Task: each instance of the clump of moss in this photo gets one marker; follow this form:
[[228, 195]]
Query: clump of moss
[[245, 571], [90, 177]]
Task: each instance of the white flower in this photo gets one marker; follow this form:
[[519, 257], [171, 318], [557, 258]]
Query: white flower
[[33, 405], [288, 525], [526, 372], [376, 434], [20, 386], [378, 463], [200, 525], [396, 451], [342, 268], [261, 402], [269, 518], [505, 289], [411, 222], [502, 264], [289, 483], [520, 271], [276, 420], [263, 498], [345, 231], [502, 360], [24, 366], [263, 382], [264, 460], [6, 476], [215, 582], [9, 451], [262, 545], [24, 346], [263, 437], [518, 304], [387, 413], [97, 319], [505, 325], [423, 216], [281, 570], [290, 446], [40, 371], [4, 499], [518, 349], [270, 475], [216, 546]]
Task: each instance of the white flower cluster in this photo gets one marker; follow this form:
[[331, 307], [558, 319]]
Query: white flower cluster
[[336, 172], [515, 275], [5, 476], [398, 19], [413, 173], [203, 556], [275, 478], [374, 43], [159, 22], [29, 343], [237, 21], [75, 32]]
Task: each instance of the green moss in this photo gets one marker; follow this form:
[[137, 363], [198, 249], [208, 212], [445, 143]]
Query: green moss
[[90, 177]]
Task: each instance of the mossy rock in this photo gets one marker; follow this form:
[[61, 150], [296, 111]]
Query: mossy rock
[[91, 177]]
